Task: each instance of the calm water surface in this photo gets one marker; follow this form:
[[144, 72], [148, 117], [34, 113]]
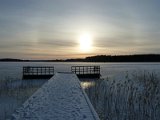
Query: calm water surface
[[14, 69], [14, 91]]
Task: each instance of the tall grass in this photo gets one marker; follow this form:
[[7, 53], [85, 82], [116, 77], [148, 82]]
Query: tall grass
[[133, 97], [13, 93]]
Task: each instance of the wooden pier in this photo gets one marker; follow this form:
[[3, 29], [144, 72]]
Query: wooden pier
[[46, 72], [36, 72], [60, 98], [86, 71]]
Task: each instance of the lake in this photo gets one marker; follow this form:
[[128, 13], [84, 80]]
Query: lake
[[14, 91], [14, 69]]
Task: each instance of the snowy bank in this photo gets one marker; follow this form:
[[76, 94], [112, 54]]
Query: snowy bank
[[61, 98]]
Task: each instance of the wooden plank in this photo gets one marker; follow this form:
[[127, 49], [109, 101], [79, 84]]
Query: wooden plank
[[61, 98]]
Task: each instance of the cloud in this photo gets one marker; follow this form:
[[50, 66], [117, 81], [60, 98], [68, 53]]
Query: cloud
[[45, 29], [57, 43]]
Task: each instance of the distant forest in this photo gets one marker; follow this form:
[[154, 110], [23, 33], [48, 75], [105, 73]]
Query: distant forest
[[124, 58], [100, 58]]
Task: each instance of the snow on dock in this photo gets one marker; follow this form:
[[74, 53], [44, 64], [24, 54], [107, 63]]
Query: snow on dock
[[61, 98]]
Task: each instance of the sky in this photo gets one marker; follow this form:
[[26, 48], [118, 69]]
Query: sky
[[61, 29]]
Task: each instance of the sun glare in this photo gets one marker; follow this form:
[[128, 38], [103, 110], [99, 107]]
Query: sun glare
[[85, 42]]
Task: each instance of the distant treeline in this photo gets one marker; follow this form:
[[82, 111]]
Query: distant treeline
[[124, 58], [100, 58], [11, 59], [20, 60]]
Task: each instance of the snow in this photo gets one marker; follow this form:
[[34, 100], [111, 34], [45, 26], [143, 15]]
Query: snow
[[11, 73], [61, 98]]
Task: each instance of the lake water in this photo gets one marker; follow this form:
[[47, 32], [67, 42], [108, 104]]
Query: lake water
[[14, 91], [13, 70]]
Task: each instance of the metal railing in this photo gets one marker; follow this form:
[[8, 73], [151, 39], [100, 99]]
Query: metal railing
[[86, 70], [29, 71]]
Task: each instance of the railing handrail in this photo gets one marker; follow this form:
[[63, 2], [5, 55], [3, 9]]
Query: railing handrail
[[38, 66], [86, 69], [38, 70], [87, 66]]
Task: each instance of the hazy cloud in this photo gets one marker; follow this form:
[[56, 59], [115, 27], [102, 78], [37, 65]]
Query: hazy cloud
[[38, 28]]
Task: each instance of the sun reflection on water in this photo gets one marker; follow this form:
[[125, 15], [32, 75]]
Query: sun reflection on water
[[87, 84]]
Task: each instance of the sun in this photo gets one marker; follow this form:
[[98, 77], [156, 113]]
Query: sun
[[85, 42]]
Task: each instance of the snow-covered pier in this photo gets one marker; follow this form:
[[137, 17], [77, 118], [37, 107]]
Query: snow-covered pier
[[61, 98]]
